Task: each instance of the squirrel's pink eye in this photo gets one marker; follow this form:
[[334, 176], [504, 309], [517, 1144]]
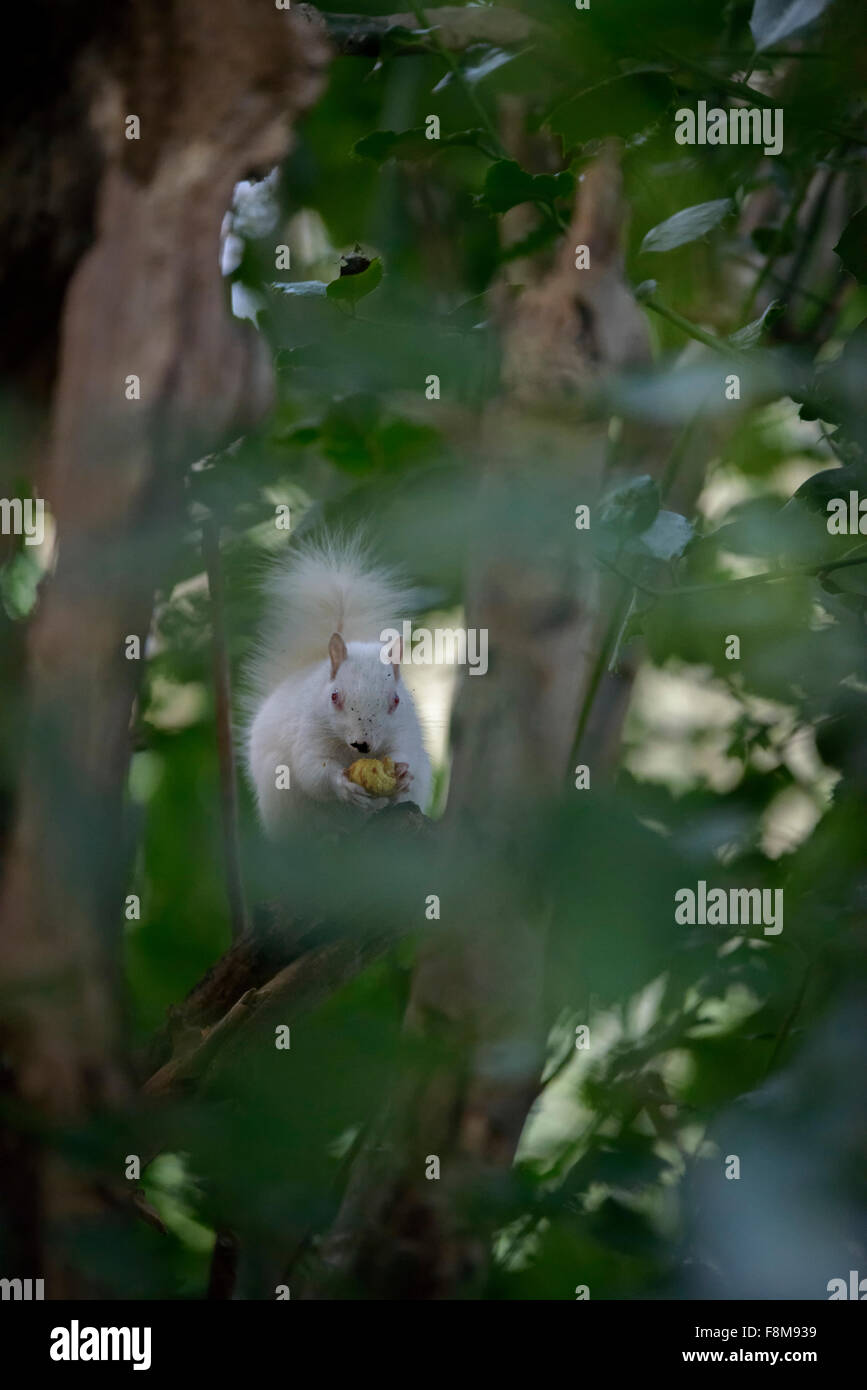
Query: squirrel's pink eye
[[395, 701], [335, 697]]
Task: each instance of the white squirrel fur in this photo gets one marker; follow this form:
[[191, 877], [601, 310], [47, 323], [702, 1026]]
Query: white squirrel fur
[[332, 587]]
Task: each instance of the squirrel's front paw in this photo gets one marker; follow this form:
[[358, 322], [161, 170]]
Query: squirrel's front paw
[[354, 795], [403, 777]]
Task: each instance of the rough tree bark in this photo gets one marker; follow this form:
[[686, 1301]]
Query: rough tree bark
[[109, 252], [456, 28]]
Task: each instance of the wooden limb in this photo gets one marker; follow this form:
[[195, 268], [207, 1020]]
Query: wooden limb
[[295, 990], [247, 965], [324, 953], [457, 28], [478, 992], [224, 1267]]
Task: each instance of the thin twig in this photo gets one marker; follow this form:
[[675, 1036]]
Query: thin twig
[[460, 77], [811, 232], [225, 744], [679, 452], [767, 577], [298, 988], [788, 1021], [600, 666], [779, 241], [692, 330]]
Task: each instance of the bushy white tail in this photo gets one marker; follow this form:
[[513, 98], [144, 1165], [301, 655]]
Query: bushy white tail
[[320, 588]]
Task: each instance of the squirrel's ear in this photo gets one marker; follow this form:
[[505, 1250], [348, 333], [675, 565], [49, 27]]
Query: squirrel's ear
[[337, 652]]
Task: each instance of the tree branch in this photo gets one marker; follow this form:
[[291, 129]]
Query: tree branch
[[744, 581], [281, 958], [454, 28], [299, 987]]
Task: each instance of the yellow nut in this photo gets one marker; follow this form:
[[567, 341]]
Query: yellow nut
[[376, 775]]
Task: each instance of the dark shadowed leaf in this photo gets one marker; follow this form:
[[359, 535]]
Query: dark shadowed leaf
[[777, 241], [852, 246], [507, 185], [631, 507], [623, 105]]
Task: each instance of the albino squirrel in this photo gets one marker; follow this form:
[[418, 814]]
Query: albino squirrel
[[323, 689]]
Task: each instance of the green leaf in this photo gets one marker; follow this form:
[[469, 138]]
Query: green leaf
[[303, 288], [621, 105], [490, 61], [852, 246], [666, 538], [775, 20], [771, 621], [687, 225], [622, 1228], [631, 507], [821, 487], [847, 581], [507, 185], [381, 145], [477, 64], [351, 288], [749, 335]]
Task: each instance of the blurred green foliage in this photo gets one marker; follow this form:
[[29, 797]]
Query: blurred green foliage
[[619, 1180]]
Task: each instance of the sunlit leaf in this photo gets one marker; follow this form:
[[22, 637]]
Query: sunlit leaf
[[775, 20], [479, 68], [667, 536], [687, 225], [751, 333], [302, 288]]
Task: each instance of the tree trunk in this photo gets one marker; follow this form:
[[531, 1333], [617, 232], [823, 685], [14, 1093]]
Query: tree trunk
[[109, 252], [478, 988]]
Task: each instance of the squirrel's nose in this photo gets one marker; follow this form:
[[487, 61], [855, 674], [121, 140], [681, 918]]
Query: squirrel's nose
[[362, 747]]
